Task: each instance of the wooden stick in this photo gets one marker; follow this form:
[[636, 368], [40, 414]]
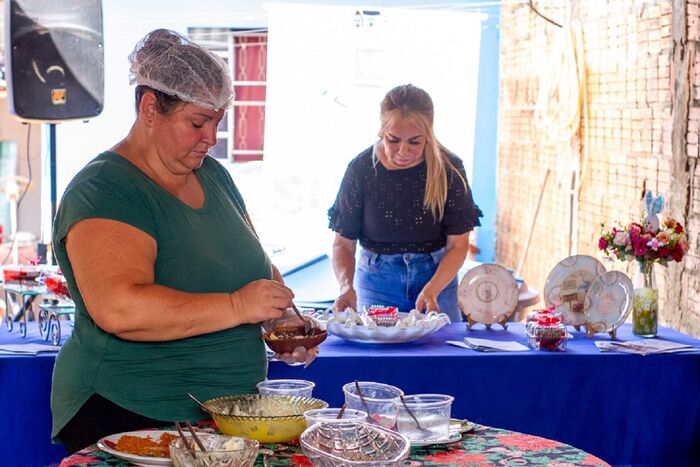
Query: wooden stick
[[521, 263]]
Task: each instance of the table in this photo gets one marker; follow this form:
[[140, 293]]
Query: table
[[624, 409], [484, 445], [315, 285]]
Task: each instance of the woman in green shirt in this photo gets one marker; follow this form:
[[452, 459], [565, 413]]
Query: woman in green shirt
[[169, 279]]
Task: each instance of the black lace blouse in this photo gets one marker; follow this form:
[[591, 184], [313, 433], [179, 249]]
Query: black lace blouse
[[383, 209]]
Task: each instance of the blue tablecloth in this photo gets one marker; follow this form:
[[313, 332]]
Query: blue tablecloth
[[625, 409]]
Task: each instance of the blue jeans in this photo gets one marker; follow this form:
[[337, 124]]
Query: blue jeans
[[396, 280]]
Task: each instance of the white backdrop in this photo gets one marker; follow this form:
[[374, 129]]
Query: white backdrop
[[330, 66]]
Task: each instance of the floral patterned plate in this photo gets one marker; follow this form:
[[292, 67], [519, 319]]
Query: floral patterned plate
[[487, 294], [608, 302], [567, 284]]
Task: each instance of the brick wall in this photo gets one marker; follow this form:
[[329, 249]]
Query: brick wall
[[632, 71]]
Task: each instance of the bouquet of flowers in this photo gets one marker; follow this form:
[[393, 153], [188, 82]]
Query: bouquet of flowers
[[649, 242], [641, 242]]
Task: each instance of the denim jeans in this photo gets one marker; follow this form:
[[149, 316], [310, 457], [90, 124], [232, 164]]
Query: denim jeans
[[396, 280]]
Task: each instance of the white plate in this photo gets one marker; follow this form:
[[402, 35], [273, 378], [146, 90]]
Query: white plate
[[567, 284], [103, 444], [424, 325], [609, 301], [488, 294], [454, 437]]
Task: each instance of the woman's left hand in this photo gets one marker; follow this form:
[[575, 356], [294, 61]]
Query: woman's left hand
[[299, 355], [427, 301]]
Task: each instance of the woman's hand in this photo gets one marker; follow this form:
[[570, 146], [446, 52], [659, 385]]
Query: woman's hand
[[348, 298], [261, 300], [299, 355], [427, 300]]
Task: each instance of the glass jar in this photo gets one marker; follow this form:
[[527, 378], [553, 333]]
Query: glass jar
[[547, 333], [645, 309]]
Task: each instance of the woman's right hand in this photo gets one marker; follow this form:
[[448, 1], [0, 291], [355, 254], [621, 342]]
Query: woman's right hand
[[261, 300], [347, 298]]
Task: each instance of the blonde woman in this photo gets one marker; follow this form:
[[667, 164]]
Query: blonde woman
[[407, 201]]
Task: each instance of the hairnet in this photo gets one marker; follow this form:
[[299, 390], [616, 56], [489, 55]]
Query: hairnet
[[168, 62]]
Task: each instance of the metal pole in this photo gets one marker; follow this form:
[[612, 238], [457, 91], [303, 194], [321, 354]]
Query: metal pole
[[52, 169]]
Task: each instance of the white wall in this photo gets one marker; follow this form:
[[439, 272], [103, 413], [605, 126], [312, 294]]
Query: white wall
[[13, 130], [125, 22]]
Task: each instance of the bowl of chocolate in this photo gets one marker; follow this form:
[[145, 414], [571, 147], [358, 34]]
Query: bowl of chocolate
[[284, 339]]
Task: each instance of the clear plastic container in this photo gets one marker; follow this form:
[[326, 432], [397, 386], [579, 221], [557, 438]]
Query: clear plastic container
[[22, 277], [547, 333], [424, 417], [286, 387], [356, 444], [222, 451], [331, 414], [377, 401]]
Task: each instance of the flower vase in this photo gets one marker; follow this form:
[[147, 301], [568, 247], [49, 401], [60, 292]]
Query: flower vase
[[645, 309]]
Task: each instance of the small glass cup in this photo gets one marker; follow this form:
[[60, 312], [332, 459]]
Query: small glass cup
[[424, 417], [286, 387], [378, 401], [222, 451], [331, 414]]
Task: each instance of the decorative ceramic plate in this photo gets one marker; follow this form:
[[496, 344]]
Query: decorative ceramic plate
[[609, 301], [108, 445], [567, 284], [488, 294], [411, 326], [453, 438]]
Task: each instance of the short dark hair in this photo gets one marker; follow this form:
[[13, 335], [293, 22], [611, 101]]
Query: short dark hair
[[166, 103]]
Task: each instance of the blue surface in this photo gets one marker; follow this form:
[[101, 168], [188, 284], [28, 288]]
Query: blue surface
[[625, 409], [25, 389]]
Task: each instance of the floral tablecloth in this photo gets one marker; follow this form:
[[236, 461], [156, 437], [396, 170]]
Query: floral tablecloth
[[481, 447]]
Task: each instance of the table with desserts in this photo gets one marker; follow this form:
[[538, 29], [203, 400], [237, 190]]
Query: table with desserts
[[483, 445], [622, 408]]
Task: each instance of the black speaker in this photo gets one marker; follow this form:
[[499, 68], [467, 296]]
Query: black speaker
[[54, 59]]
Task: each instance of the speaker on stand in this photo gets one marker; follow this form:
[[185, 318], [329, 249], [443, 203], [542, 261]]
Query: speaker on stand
[[54, 58]]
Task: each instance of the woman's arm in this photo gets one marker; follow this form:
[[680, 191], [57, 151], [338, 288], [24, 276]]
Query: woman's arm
[[344, 269], [455, 253], [117, 285]]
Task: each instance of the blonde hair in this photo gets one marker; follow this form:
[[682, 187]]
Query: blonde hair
[[414, 105]]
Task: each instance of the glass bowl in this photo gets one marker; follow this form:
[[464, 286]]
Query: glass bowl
[[286, 387], [331, 444], [331, 414], [222, 451], [378, 401], [432, 412], [266, 418]]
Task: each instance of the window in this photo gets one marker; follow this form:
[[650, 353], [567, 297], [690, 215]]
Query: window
[[241, 134]]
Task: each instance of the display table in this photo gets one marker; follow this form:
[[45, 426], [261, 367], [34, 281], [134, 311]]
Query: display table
[[622, 408], [482, 446]]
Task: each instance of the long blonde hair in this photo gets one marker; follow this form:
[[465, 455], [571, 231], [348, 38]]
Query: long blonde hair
[[412, 104]]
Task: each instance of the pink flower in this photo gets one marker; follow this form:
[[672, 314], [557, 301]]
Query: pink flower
[[621, 239], [654, 244], [683, 243], [602, 243], [663, 237]]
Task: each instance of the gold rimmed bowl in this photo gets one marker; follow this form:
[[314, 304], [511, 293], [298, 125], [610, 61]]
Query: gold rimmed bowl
[[265, 418]]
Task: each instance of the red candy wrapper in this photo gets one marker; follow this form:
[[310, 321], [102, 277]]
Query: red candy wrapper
[[383, 315]]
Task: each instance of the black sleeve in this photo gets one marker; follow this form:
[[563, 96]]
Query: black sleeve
[[345, 216], [461, 213]]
